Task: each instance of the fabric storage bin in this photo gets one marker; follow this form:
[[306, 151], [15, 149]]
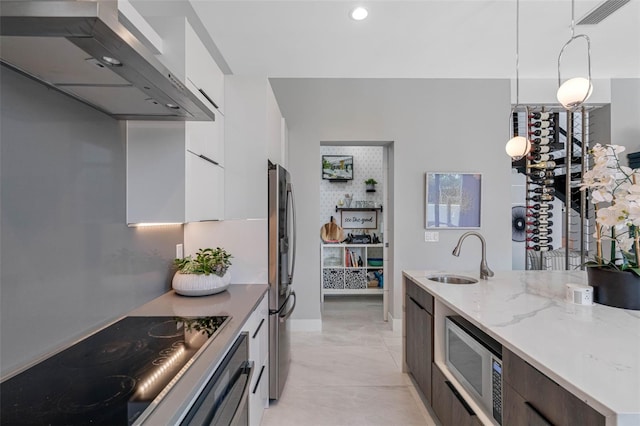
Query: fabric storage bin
[[355, 278], [333, 278]]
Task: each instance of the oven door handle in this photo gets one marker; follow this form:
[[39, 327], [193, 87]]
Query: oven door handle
[[247, 369]]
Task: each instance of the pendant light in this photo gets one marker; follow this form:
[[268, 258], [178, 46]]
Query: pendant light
[[575, 91], [518, 146]]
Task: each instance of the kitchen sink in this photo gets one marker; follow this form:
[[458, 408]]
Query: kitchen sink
[[452, 279]]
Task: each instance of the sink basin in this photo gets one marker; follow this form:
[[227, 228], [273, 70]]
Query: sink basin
[[452, 279]]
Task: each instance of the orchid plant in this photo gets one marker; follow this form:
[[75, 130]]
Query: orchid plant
[[615, 195]]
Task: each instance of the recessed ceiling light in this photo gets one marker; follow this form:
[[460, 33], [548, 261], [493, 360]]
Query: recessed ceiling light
[[112, 61], [359, 13]]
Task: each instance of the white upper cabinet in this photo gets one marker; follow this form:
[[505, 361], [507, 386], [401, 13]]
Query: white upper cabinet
[[186, 55], [175, 170], [202, 71], [166, 181], [254, 135]]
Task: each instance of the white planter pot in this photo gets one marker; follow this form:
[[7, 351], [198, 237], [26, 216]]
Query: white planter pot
[[200, 285]]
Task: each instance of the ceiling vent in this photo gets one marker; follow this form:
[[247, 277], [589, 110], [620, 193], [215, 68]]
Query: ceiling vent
[[601, 11]]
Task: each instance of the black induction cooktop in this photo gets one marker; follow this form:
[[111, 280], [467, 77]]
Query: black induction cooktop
[[110, 377]]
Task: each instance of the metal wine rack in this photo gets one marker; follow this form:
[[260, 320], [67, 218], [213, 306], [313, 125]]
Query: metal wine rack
[[540, 190], [554, 170]]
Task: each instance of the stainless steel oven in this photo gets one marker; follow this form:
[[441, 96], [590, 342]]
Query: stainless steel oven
[[224, 399]]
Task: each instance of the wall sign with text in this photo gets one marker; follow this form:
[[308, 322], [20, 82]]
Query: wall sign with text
[[365, 219]]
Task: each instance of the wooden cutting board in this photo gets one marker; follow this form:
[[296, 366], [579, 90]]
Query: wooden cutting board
[[331, 232]]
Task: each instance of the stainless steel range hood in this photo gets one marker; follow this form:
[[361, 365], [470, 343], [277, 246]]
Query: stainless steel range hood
[[80, 48]]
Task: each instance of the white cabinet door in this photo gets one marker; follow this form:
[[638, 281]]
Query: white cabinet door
[[257, 327], [155, 172], [207, 138], [204, 189], [202, 70]]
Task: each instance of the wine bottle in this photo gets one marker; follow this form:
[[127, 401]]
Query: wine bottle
[[541, 197], [540, 115], [540, 247], [543, 141], [543, 190], [540, 132], [537, 215], [540, 149], [542, 124], [543, 240], [539, 181], [543, 206], [544, 165], [540, 232], [540, 222], [540, 157]]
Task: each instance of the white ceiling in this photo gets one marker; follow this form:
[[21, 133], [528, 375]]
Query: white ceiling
[[413, 39]]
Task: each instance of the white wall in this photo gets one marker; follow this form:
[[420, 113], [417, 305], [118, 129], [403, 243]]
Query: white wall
[[435, 124], [246, 240], [367, 163], [625, 113]]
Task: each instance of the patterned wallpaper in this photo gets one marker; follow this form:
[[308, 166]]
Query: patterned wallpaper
[[367, 163]]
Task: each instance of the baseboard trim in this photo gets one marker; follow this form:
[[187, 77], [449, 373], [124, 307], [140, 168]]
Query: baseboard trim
[[305, 324], [396, 323]]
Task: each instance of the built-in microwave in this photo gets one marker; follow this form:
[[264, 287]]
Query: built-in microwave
[[475, 360]]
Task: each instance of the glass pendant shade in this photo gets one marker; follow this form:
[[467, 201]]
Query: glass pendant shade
[[518, 147], [574, 92]]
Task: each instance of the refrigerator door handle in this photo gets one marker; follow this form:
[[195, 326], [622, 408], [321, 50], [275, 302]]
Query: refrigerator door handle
[[287, 314], [293, 237]]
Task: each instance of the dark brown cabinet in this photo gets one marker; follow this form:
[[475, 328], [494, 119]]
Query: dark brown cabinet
[[531, 398], [449, 405], [419, 336]]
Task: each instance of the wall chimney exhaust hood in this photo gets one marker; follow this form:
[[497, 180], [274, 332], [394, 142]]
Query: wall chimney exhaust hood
[[80, 48]]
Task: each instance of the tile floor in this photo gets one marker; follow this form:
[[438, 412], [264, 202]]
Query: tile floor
[[349, 374]]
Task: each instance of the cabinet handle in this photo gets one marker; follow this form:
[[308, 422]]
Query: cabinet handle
[[541, 420], [255, 333], [416, 302], [462, 401], [210, 100], [255, 388], [204, 157]]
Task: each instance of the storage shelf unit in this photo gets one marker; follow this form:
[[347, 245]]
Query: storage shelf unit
[[340, 275]]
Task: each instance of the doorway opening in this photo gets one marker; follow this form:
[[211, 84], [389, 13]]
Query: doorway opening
[[354, 219]]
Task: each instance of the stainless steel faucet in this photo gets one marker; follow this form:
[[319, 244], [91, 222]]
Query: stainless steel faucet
[[485, 272]]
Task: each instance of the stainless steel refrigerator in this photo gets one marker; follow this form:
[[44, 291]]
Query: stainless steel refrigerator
[[282, 260]]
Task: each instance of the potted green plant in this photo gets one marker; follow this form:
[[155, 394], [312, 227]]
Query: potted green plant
[[206, 273], [615, 193], [371, 184]]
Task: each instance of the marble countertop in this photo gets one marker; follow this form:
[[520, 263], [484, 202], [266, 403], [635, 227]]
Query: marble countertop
[[592, 351], [239, 301]]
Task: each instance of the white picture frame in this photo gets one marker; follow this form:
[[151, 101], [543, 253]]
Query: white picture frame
[[359, 219], [453, 200]]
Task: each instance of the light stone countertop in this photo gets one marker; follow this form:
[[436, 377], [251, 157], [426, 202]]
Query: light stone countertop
[[238, 301], [592, 351]]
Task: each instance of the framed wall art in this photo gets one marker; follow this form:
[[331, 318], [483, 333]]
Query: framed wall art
[[337, 168], [452, 200]]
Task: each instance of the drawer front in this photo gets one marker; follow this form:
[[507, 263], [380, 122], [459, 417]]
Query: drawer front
[[257, 328], [421, 296], [333, 278], [448, 404], [355, 278], [259, 393], [544, 399]]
